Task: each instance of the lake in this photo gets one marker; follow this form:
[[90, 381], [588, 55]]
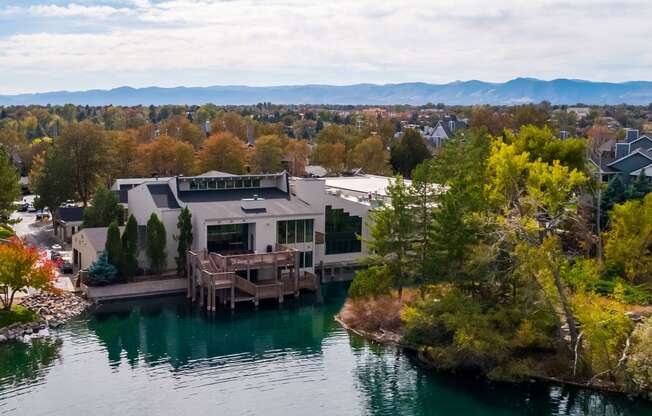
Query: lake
[[165, 357]]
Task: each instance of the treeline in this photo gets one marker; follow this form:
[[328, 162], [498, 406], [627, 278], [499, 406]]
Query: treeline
[[497, 234]]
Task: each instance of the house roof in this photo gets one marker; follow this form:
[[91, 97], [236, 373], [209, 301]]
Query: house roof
[[70, 214], [647, 171], [364, 183], [162, 195], [227, 204], [645, 153]]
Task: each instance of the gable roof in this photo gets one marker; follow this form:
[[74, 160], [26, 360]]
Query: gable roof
[[641, 152], [647, 171], [640, 140]]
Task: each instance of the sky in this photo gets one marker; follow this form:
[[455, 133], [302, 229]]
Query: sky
[[51, 45]]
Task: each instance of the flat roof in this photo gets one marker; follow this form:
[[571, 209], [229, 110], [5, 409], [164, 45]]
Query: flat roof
[[363, 183]]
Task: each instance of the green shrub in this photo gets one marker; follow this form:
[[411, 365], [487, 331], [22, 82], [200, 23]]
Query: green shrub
[[17, 314], [102, 272]]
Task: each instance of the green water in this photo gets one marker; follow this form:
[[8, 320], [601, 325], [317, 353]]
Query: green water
[[165, 358]]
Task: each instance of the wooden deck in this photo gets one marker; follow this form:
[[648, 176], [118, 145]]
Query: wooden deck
[[212, 278], [123, 291]]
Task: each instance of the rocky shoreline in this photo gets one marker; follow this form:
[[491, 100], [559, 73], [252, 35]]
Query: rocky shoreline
[[53, 311]]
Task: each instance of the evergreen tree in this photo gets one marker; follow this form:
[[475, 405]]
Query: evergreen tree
[[639, 187], [392, 262], [113, 245], [185, 240], [156, 244], [101, 272], [408, 152], [9, 186], [614, 194], [130, 249]]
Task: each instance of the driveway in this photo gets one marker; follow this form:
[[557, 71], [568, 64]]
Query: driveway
[[40, 234]]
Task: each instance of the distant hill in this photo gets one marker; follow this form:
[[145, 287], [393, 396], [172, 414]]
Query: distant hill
[[516, 91]]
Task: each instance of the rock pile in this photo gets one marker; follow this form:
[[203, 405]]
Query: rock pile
[[53, 311]]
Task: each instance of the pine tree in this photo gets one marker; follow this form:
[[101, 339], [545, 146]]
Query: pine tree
[[185, 240], [156, 244], [113, 245], [614, 194], [130, 249], [639, 187], [101, 272]]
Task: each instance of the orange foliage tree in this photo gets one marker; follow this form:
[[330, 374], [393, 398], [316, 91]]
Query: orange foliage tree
[[223, 152], [167, 157], [22, 266]]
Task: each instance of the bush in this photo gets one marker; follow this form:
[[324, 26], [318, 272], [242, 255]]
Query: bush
[[461, 332], [373, 313], [102, 272], [17, 314], [6, 231]]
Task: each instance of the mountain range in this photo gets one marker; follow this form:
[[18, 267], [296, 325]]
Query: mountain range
[[516, 91]]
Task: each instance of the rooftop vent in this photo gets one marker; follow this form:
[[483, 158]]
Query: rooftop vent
[[254, 203]]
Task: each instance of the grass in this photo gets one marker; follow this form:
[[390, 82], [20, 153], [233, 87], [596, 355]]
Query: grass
[[17, 314]]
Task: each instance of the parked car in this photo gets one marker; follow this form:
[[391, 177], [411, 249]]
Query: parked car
[[65, 264], [22, 206], [31, 208]]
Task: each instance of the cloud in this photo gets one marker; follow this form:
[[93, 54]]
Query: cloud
[[100, 44]]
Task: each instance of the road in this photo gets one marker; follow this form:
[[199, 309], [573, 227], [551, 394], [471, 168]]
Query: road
[[40, 234]]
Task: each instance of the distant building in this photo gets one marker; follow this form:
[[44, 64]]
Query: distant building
[[629, 158], [67, 221], [443, 130], [580, 112]]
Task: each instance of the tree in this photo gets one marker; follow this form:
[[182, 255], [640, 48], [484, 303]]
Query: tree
[[331, 157], [223, 152], [103, 210], [627, 243], [113, 246], [123, 154], [391, 232], [408, 152], [47, 179], [268, 154], [528, 114], [9, 187], [614, 194], [84, 147], [297, 152], [22, 267], [156, 242], [130, 249], [166, 156], [494, 121], [184, 240], [102, 272], [371, 156], [639, 187]]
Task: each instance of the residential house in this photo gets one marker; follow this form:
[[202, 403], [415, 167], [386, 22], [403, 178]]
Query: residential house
[[629, 158], [66, 222], [442, 131]]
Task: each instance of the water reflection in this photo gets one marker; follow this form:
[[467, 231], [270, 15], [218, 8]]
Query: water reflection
[[172, 330], [391, 383]]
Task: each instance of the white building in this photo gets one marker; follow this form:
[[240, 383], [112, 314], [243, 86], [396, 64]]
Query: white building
[[319, 218]]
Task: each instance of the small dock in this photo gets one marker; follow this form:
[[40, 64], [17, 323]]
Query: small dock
[[214, 278]]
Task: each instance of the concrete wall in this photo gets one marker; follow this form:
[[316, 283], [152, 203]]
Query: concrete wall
[[87, 252]]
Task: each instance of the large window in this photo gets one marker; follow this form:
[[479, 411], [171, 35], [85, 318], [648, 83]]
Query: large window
[[342, 230], [227, 238], [224, 183], [305, 259], [294, 231]]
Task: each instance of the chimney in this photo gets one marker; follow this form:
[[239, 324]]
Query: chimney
[[563, 135], [622, 150]]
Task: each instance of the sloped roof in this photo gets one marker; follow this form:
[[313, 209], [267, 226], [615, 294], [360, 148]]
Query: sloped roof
[[70, 214], [162, 195]]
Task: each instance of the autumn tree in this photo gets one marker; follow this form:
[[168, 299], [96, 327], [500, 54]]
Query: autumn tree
[[371, 156], [23, 267], [84, 147], [493, 120], [297, 152], [122, 154], [166, 156], [180, 128], [331, 156], [627, 243], [223, 152], [268, 154]]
